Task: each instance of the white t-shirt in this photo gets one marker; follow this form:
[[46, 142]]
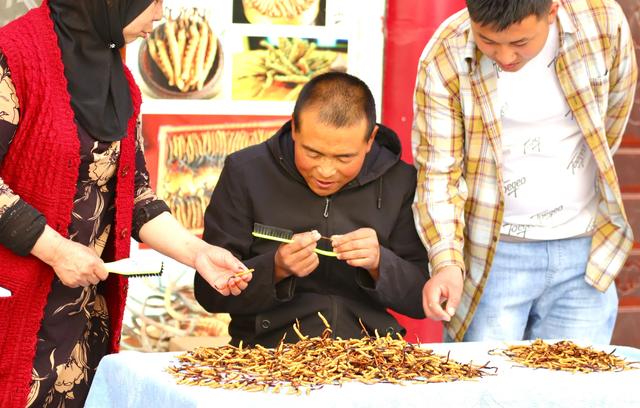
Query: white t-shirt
[[548, 170]]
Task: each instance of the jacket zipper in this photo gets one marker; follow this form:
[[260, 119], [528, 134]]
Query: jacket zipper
[[326, 207], [325, 228]]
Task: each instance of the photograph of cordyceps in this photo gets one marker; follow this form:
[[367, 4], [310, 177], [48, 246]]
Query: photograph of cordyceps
[[191, 151], [287, 12], [271, 68], [183, 57]]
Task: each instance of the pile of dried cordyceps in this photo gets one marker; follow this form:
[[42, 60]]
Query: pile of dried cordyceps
[[314, 362], [565, 356]]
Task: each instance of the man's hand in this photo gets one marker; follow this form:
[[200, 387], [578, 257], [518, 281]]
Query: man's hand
[[218, 267], [359, 248], [447, 285], [297, 258]]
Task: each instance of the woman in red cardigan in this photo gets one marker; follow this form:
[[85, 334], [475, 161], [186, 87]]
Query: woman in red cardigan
[[73, 190]]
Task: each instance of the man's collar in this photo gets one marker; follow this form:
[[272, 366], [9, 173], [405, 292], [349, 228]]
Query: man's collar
[[472, 53], [565, 24]]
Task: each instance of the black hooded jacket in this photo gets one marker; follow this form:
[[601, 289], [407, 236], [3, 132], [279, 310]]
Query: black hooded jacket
[[261, 184]]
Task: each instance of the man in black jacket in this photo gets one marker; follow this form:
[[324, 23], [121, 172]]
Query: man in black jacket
[[330, 172]]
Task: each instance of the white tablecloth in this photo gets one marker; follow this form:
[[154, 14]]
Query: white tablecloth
[[132, 379]]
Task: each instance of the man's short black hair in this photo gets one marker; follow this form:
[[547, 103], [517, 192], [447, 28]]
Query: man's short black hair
[[342, 100], [501, 14]]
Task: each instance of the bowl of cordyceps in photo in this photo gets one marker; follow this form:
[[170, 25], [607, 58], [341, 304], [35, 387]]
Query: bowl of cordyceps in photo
[[182, 58], [289, 12]]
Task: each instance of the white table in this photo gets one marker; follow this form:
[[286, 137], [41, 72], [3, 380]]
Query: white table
[[132, 379]]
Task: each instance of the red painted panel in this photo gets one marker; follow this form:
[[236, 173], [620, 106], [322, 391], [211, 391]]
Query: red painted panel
[[409, 25]]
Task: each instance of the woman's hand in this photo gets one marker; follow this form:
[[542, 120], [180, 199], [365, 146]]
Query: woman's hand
[[218, 267], [74, 264]]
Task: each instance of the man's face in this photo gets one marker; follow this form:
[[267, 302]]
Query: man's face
[[518, 44], [329, 157]]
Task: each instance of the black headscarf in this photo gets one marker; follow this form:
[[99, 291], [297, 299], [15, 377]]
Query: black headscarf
[[89, 37]]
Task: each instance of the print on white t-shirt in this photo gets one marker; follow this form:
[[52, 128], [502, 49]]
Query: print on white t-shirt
[[549, 173]]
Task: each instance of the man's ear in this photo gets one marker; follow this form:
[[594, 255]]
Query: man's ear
[[553, 12], [372, 138]]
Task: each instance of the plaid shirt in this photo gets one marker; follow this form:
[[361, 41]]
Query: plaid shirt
[[457, 149]]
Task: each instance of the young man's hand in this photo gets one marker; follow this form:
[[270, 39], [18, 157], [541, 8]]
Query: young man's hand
[[297, 258], [359, 248], [447, 285]]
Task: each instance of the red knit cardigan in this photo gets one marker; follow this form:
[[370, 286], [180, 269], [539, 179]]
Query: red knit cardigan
[[42, 167]]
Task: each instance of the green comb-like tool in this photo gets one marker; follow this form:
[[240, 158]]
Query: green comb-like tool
[[281, 235]]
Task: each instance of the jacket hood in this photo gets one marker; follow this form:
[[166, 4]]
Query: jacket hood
[[384, 154]]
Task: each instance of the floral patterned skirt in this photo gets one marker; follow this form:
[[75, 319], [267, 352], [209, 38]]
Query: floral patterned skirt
[[73, 337]]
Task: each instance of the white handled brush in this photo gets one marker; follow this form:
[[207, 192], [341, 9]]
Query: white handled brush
[[134, 268]]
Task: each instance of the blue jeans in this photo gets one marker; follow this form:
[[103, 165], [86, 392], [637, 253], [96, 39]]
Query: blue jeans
[[537, 290]]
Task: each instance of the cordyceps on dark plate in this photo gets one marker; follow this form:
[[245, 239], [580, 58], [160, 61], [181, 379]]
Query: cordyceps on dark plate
[[182, 58]]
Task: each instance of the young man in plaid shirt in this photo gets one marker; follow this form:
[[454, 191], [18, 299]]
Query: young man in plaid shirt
[[519, 107]]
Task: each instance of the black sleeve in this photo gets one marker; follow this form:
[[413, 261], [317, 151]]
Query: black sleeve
[[144, 213], [403, 267], [146, 205], [20, 227], [228, 223]]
